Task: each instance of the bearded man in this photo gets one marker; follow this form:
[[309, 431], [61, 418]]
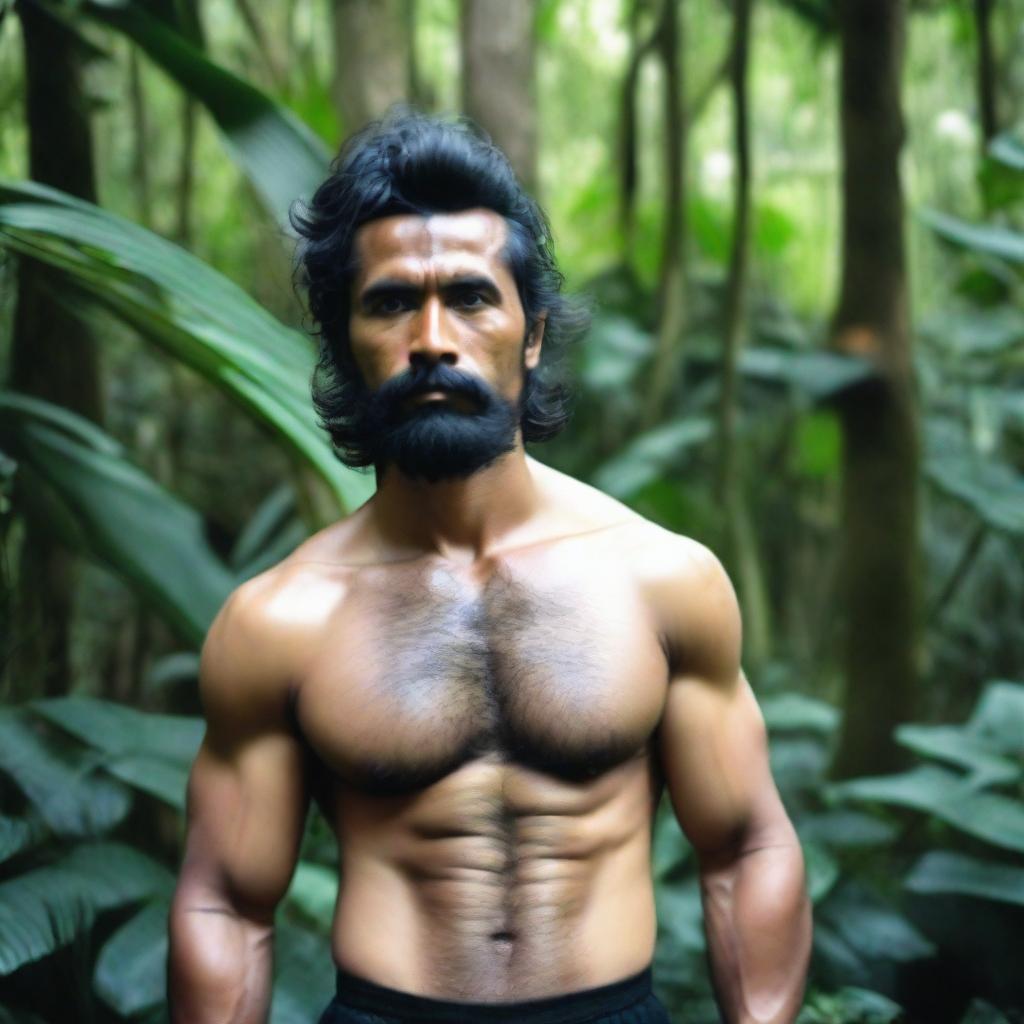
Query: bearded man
[[485, 676]]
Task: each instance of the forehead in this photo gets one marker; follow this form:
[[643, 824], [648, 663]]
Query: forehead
[[449, 242]]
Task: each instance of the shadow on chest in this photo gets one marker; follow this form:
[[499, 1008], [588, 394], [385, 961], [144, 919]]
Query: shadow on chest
[[428, 672]]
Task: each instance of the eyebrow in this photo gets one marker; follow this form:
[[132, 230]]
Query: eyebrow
[[388, 286]]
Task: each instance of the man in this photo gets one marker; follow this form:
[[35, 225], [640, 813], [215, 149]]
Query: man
[[486, 675]]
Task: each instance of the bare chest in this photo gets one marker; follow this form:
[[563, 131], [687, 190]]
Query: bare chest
[[551, 664]]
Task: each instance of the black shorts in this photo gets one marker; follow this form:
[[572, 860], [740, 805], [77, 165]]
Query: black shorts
[[630, 1001]]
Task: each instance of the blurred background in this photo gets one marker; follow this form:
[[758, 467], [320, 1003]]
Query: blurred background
[[801, 227]]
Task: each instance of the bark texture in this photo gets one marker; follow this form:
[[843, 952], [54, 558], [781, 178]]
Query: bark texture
[[879, 572], [498, 68], [52, 355]]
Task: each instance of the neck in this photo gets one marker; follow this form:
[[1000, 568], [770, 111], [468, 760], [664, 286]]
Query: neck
[[459, 519]]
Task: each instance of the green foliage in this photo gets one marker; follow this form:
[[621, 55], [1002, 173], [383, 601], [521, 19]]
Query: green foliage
[[110, 510], [45, 908], [280, 155], [186, 308]]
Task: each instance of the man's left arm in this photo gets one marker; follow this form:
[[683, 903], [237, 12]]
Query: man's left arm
[[714, 755]]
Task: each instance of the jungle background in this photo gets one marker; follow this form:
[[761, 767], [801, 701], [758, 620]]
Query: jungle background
[[800, 224]]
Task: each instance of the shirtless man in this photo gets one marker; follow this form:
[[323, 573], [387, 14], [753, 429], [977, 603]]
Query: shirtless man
[[486, 675]]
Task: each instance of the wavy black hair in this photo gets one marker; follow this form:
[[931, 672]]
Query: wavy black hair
[[413, 163]]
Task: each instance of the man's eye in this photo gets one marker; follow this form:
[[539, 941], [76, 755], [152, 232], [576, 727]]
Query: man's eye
[[469, 300], [389, 304]]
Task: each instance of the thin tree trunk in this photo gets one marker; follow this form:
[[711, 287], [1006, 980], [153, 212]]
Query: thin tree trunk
[[186, 173], [140, 141], [986, 73], [673, 285], [192, 27], [741, 540], [498, 92], [879, 543], [52, 355], [371, 48], [628, 166]]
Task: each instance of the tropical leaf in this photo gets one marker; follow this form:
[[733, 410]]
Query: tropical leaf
[[123, 518], [992, 490], [941, 871], [871, 928], [148, 751], [131, 970], [119, 730], [162, 779], [786, 712], [44, 909], [314, 892], [813, 374], [303, 976], [980, 1012], [985, 239], [998, 717], [680, 914], [271, 533], [988, 816], [850, 1005], [281, 156], [17, 834], [62, 782], [959, 746], [822, 871], [1009, 150], [186, 308], [845, 828], [648, 456]]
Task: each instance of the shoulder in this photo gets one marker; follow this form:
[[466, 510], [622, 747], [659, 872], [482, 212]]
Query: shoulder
[[253, 651], [692, 599]]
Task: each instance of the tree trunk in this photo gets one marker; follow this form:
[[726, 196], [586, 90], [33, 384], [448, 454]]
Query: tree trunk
[[879, 544], [52, 355], [140, 141], [672, 289], [986, 73], [628, 168], [371, 49], [741, 542], [498, 78], [191, 26]]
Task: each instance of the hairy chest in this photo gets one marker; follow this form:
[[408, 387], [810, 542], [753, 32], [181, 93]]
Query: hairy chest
[[554, 667]]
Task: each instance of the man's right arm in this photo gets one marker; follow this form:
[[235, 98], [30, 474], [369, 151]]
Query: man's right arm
[[247, 802]]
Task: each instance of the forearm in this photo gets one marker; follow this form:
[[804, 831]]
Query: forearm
[[758, 924], [220, 963]]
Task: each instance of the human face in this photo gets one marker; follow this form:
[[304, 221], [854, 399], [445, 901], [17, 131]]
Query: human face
[[439, 337]]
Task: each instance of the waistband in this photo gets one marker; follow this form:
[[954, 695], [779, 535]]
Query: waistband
[[570, 1008]]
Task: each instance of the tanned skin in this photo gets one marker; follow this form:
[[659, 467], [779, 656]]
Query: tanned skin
[[485, 684]]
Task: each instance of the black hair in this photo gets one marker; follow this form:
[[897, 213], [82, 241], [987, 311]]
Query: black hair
[[413, 163]]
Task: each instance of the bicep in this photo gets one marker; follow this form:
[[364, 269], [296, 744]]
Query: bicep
[[714, 756], [712, 739], [247, 791]]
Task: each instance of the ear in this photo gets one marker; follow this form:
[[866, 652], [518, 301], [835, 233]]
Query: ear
[[534, 342]]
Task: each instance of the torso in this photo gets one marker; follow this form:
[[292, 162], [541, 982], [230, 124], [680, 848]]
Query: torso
[[485, 738]]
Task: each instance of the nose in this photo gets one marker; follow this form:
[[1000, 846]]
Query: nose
[[432, 339]]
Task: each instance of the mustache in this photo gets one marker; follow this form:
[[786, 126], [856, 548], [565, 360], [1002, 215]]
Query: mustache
[[419, 380]]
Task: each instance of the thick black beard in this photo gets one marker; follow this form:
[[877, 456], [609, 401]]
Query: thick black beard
[[437, 440]]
